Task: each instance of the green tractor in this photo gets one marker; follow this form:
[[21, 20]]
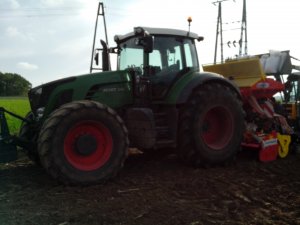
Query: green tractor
[[80, 128]]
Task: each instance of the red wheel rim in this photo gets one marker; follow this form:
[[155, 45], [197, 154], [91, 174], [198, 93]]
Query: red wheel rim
[[98, 155], [217, 128]]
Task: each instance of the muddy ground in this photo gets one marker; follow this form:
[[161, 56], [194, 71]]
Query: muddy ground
[[157, 189]]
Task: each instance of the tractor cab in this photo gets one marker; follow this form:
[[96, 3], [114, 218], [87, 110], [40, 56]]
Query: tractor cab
[[291, 99], [156, 58], [293, 87]]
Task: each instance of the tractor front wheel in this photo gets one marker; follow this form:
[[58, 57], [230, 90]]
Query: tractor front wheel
[[83, 142], [211, 126]]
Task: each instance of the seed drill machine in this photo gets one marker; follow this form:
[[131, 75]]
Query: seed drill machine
[[272, 125]]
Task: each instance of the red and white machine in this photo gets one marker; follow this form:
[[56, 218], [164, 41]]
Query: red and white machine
[[266, 131]]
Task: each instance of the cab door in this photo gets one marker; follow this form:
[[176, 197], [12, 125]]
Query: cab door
[[171, 59]]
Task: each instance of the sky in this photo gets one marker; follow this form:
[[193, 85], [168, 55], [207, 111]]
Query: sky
[[45, 40]]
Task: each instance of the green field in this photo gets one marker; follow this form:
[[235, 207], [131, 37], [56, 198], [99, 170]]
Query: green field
[[17, 105]]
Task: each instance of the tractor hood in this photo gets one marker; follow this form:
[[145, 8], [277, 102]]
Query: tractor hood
[[102, 87], [38, 96]]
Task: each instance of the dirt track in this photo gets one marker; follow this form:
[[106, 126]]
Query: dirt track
[[157, 189]]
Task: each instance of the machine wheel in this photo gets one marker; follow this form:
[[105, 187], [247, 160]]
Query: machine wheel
[[211, 126], [83, 142], [28, 133]]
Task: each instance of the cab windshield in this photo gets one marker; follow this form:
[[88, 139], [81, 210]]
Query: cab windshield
[[169, 54]]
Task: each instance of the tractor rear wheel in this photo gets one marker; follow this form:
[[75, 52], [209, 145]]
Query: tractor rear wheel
[[83, 142], [211, 126], [28, 133]]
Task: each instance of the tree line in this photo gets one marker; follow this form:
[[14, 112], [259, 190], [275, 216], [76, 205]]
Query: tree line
[[12, 84]]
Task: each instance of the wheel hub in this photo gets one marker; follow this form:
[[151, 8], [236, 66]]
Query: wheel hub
[[206, 126], [86, 145], [217, 127]]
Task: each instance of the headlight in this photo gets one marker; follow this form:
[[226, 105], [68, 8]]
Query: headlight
[[34, 98], [39, 91], [40, 112], [138, 30]]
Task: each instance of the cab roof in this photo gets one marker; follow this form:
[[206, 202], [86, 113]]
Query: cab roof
[[159, 31]]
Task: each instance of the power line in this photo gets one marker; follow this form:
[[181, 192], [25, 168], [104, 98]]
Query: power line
[[38, 15], [34, 12], [50, 12], [40, 8]]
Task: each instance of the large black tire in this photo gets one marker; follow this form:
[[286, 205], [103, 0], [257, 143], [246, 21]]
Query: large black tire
[[82, 143], [211, 126], [27, 132]]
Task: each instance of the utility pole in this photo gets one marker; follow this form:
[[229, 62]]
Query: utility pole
[[219, 30], [100, 12], [244, 30], [243, 41]]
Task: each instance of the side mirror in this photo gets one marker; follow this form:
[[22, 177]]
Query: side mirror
[[96, 58], [146, 42]]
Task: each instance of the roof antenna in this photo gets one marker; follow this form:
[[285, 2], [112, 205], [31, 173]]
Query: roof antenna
[[189, 20]]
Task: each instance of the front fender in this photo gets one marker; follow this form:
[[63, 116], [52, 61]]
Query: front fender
[[184, 87]]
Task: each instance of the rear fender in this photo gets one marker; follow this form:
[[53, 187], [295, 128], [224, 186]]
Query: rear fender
[[184, 87]]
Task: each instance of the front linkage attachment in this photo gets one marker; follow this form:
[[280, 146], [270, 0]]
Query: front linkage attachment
[[8, 142]]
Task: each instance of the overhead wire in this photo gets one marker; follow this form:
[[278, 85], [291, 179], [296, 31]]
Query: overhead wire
[[50, 12], [40, 15], [38, 8], [45, 12], [29, 12]]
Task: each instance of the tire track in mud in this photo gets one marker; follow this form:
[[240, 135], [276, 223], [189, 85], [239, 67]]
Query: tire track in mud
[[157, 189]]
